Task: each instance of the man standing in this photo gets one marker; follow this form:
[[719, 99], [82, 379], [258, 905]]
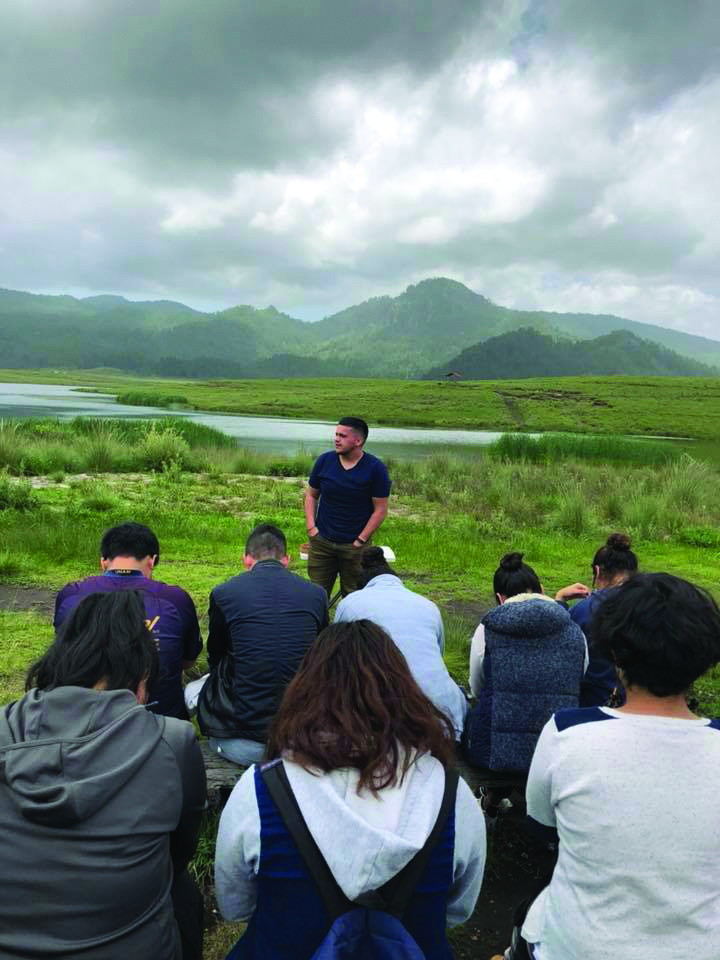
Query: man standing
[[129, 553], [345, 502], [260, 625]]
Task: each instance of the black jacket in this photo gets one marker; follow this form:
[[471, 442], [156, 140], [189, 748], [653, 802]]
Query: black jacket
[[260, 625]]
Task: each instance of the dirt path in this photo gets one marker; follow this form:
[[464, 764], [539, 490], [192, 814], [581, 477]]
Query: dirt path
[[35, 599], [513, 408]]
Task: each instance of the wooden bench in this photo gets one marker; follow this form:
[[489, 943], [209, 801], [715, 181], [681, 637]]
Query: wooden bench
[[222, 775]]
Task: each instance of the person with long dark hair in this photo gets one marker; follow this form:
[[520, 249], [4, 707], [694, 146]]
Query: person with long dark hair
[[100, 800], [630, 794], [365, 754]]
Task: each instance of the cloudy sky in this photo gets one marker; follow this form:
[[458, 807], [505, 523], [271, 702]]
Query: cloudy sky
[[551, 154]]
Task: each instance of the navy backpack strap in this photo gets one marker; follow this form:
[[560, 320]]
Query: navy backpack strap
[[398, 891], [278, 786], [393, 897]]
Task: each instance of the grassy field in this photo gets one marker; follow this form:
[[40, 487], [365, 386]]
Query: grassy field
[[659, 406], [449, 522]]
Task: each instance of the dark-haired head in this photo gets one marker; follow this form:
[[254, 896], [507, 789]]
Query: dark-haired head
[[266, 542], [513, 577], [357, 425], [354, 703], [104, 643], [661, 632], [130, 540], [372, 564], [614, 561]]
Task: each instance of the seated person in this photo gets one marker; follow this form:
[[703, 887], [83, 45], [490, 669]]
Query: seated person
[[415, 625], [260, 626], [613, 564], [631, 793], [128, 555], [100, 800], [366, 755], [527, 662]]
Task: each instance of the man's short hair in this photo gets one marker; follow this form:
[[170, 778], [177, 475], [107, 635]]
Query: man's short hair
[[357, 424], [130, 540], [266, 541]]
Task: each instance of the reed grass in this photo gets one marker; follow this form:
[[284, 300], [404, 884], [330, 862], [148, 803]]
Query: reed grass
[[561, 447]]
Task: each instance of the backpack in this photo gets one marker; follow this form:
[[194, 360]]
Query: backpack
[[369, 928]]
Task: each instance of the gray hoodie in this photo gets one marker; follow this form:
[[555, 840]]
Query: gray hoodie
[[100, 801]]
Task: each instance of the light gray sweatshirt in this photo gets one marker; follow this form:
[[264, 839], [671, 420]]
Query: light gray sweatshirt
[[365, 839]]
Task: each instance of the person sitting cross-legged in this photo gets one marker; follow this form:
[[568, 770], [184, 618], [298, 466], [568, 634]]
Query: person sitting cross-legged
[[415, 625], [100, 800], [260, 625], [630, 794], [366, 763]]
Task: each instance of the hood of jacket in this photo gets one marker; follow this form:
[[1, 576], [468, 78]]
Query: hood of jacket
[[527, 615], [65, 752]]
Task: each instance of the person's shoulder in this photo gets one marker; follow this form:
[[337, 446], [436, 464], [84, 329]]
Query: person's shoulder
[[179, 735], [578, 717], [305, 586], [329, 456], [578, 611], [375, 463], [168, 590], [85, 585], [236, 582]]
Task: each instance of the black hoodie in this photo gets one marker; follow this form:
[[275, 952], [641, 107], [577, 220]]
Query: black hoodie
[[100, 803]]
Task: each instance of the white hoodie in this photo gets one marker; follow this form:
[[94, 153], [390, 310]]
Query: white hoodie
[[365, 839]]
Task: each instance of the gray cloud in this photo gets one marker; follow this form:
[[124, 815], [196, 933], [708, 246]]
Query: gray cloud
[[551, 154]]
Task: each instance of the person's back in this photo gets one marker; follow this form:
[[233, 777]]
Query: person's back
[[631, 793], [101, 801], [533, 664], [129, 553], [415, 626], [637, 864], [365, 835], [261, 623]]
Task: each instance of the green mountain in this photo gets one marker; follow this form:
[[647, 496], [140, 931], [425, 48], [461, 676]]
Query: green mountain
[[433, 320], [528, 353], [426, 326]]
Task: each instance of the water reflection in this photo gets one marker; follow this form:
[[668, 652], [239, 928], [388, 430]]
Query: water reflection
[[279, 435]]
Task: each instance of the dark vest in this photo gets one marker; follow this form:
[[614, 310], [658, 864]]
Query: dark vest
[[290, 921], [533, 665]]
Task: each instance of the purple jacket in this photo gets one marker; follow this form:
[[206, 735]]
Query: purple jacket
[[171, 617]]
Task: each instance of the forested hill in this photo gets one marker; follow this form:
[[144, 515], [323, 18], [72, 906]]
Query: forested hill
[[430, 323], [527, 353]]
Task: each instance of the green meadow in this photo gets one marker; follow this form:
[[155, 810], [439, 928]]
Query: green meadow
[[555, 497], [686, 407]]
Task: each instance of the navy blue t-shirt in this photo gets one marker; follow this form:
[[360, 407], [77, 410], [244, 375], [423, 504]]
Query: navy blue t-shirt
[[346, 496]]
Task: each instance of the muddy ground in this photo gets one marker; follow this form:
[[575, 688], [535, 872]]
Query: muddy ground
[[34, 599]]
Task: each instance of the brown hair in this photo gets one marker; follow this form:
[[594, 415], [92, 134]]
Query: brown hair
[[354, 703]]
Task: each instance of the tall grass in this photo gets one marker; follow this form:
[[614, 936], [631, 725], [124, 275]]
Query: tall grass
[[561, 447]]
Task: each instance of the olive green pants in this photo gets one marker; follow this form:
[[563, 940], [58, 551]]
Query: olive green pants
[[327, 559]]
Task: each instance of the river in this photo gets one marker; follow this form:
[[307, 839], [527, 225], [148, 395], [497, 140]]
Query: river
[[279, 435]]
